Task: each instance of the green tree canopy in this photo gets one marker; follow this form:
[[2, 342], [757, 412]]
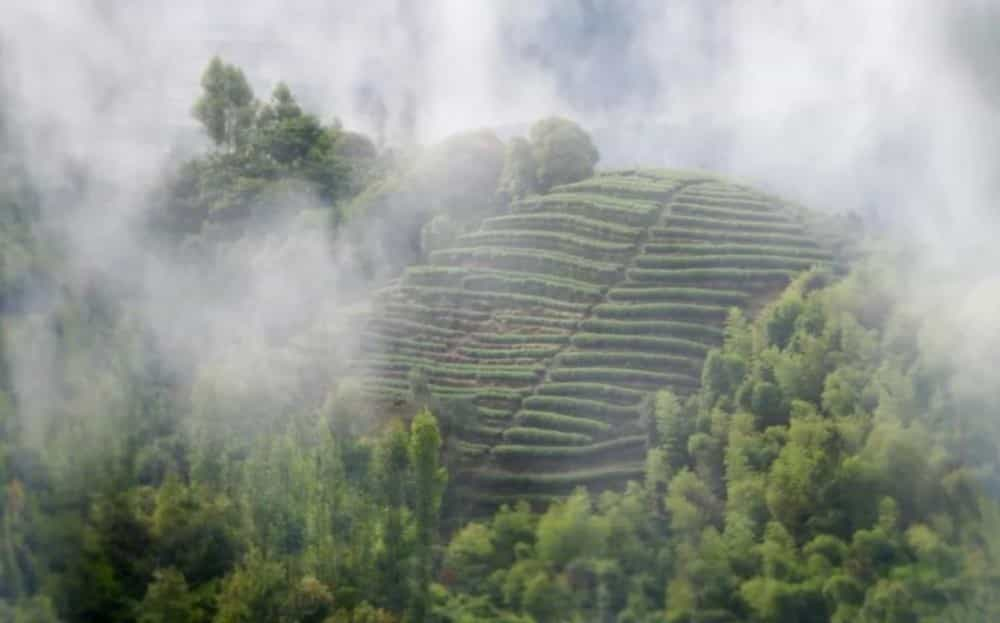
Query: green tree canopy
[[562, 151]]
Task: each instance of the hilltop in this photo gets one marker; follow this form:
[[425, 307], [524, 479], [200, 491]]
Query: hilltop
[[559, 320]]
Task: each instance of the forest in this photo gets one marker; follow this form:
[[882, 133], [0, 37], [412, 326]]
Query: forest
[[722, 410]]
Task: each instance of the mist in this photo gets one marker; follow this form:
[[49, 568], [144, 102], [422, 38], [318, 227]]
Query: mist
[[883, 108]]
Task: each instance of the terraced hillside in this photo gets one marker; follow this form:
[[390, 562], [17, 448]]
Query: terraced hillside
[[559, 320]]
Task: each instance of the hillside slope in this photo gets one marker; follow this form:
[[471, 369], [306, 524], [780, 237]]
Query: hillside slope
[[560, 319]]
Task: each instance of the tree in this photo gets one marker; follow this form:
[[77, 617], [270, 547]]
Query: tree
[[391, 467], [169, 600], [256, 591], [226, 106], [519, 175], [562, 151], [429, 482], [286, 134]]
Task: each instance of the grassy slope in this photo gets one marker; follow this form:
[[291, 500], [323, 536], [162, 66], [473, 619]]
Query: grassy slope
[[560, 319]]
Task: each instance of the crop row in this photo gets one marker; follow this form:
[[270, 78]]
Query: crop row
[[549, 241], [508, 353], [582, 205], [680, 248], [427, 312], [578, 225], [636, 293], [520, 338], [666, 175], [527, 320], [628, 187], [632, 360], [743, 278], [542, 437], [679, 208], [535, 285], [580, 407], [593, 391], [734, 201], [559, 264], [374, 341], [724, 261], [621, 376], [526, 373], [718, 236], [560, 195], [657, 311], [491, 300], [400, 388], [403, 327], [732, 225], [434, 276], [562, 422], [692, 330], [639, 343], [496, 414]]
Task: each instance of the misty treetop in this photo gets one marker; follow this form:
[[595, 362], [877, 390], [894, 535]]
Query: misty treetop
[[391, 204]]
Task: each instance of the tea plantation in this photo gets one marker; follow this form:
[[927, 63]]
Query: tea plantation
[[560, 319]]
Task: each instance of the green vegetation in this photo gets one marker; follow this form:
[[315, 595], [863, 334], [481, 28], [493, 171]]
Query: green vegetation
[[576, 406], [639, 343], [576, 225], [733, 277], [541, 436], [559, 422], [593, 391], [639, 292], [554, 263], [668, 435], [689, 330]]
